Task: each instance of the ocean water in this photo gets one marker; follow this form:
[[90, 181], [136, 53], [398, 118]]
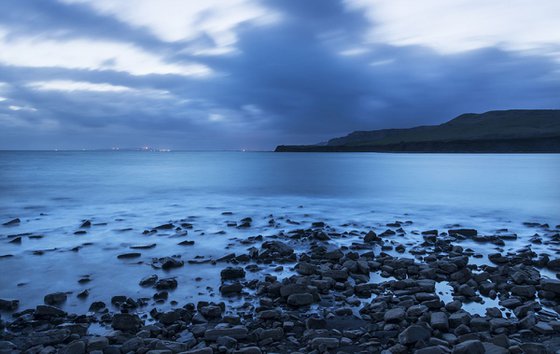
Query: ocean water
[[125, 193]]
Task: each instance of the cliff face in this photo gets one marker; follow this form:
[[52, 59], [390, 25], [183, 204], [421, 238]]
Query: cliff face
[[494, 131]]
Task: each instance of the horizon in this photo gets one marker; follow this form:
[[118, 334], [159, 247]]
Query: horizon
[[254, 74]]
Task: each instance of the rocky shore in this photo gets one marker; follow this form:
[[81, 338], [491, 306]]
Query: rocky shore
[[373, 294]]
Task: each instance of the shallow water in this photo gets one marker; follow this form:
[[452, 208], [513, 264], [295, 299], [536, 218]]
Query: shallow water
[[52, 192]]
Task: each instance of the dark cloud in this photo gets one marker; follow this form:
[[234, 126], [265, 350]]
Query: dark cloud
[[287, 83]]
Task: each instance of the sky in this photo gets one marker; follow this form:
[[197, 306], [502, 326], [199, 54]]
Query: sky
[[253, 74]]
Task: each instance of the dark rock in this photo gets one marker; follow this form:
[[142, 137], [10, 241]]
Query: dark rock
[[469, 347], [301, 299], [278, 247], [166, 284], [371, 237], [129, 255], [12, 222], [170, 263], [48, 311], [230, 273], [394, 315], [85, 224], [148, 280], [168, 226], [239, 332], [8, 305], [126, 322], [413, 334], [463, 232], [228, 289], [55, 298], [439, 320]]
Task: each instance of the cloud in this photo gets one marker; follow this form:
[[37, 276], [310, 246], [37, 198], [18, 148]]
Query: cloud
[[255, 74], [89, 54], [453, 26]]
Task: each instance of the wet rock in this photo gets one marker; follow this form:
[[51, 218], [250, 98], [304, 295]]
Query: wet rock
[[46, 311], [238, 332], [148, 280], [97, 343], [48, 337], [413, 334], [233, 288], [463, 232], [469, 347], [394, 315], [167, 226], [170, 263], [166, 284], [16, 240], [439, 320], [230, 273], [83, 294], [126, 322], [96, 306], [75, 347], [12, 222], [186, 243], [8, 305], [85, 224], [278, 247], [301, 299], [55, 298], [324, 343], [526, 291], [533, 348], [143, 247], [371, 236], [129, 255]]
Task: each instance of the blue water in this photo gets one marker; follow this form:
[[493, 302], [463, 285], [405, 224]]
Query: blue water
[[51, 192]]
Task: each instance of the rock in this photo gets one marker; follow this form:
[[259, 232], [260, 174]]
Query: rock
[[48, 311], [533, 348], [75, 347], [126, 322], [526, 291], [248, 350], [85, 224], [554, 264], [8, 305], [491, 348], [413, 334], [12, 222], [170, 263], [394, 315], [472, 346], [278, 247], [463, 232], [324, 343], [436, 349], [305, 268], [552, 285], [466, 290], [439, 320], [166, 284], [199, 351], [234, 288], [97, 343], [55, 298], [169, 317], [232, 273], [167, 226], [371, 237], [129, 255], [48, 337], [301, 299], [97, 306], [239, 332], [148, 280], [186, 243]]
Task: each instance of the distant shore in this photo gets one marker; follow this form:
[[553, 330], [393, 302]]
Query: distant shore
[[532, 145]]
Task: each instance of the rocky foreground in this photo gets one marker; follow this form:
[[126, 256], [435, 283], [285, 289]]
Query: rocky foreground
[[331, 303]]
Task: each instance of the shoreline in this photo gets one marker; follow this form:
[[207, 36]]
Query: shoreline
[[374, 293]]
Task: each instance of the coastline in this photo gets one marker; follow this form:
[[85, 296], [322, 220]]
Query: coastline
[[351, 291]]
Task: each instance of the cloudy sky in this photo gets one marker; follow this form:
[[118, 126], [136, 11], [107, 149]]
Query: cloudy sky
[[251, 74]]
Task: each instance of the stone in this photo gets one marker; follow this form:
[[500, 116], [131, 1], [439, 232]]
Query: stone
[[126, 322], [206, 350], [463, 232], [230, 273], [278, 247], [491, 348], [239, 332], [170, 263], [129, 255], [301, 299], [75, 347], [248, 350], [526, 291], [234, 288], [533, 348], [55, 298], [413, 334], [552, 285], [323, 343], [371, 237], [97, 343], [12, 222], [8, 305], [48, 311], [148, 280], [472, 346], [166, 284], [439, 320], [394, 315]]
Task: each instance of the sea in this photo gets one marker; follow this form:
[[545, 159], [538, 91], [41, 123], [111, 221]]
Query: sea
[[125, 194]]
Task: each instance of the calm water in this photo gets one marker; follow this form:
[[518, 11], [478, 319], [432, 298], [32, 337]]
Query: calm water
[[51, 192]]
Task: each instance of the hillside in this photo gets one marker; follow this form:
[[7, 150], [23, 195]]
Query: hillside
[[494, 131]]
